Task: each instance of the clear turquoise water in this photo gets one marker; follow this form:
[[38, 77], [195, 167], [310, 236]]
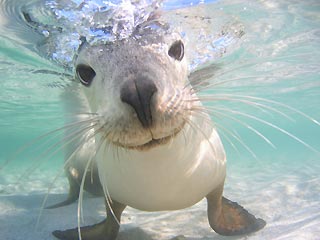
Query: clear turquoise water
[[276, 59]]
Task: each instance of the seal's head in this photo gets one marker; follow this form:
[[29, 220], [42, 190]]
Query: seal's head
[[138, 88]]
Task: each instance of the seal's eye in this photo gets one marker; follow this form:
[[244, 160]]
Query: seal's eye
[[176, 50], [85, 73]]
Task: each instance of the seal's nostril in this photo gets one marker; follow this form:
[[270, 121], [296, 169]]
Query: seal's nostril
[[138, 94]]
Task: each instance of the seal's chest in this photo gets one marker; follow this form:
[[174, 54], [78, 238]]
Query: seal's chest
[[167, 177]]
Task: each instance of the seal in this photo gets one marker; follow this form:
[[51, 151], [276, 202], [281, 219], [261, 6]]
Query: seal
[[150, 139]]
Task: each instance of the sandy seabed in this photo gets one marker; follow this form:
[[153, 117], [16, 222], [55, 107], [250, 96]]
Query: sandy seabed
[[290, 203]]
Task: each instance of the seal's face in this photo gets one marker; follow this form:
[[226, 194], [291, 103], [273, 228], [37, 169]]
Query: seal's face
[[138, 88]]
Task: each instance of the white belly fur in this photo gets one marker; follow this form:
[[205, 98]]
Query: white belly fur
[[169, 177]]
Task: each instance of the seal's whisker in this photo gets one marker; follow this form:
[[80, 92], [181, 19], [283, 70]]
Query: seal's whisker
[[117, 153], [202, 112], [107, 195], [103, 140], [183, 131], [80, 114], [198, 87], [114, 152], [260, 106], [232, 134], [80, 202], [252, 101], [91, 127], [77, 129], [71, 115], [107, 148], [82, 141], [267, 123], [172, 134], [254, 130], [221, 113], [197, 129], [40, 140], [238, 66], [285, 106], [224, 132], [55, 148], [67, 161]]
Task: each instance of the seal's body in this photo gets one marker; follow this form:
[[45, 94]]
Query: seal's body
[[150, 139], [172, 176]]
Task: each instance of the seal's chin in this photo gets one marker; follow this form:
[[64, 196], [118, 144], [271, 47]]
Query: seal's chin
[[152, 143]]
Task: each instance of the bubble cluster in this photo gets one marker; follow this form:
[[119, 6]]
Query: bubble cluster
[[97, 21]]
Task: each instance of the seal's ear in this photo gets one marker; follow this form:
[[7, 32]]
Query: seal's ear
[[202, 78], [83, 43]]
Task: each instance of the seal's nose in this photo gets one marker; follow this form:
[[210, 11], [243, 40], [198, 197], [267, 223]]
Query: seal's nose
[[138, 94]]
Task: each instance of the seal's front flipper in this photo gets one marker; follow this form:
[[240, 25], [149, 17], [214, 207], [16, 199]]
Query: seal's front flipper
[[100, 231], [74, 190], [105, 230], [229, 218]]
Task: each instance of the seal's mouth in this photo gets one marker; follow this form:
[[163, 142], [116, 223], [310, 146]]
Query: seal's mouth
[[153, 142]]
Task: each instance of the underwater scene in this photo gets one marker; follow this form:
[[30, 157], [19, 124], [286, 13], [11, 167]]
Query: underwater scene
[[254, 65]]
